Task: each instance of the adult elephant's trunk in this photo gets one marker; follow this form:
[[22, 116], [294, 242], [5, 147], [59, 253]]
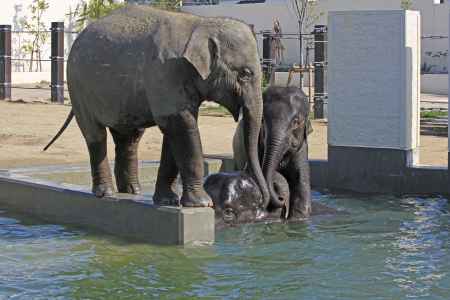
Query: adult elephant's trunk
[[272, 157], [252, 117]]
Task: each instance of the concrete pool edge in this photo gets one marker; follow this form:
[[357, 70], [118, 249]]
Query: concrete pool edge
[[136, 218], [126, 216]]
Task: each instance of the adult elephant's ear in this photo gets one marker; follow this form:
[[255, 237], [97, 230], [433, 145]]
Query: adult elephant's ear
[[202, 51]]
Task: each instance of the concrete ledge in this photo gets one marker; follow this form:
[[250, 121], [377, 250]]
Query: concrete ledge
[[368, 170], [319, 174], [377, 171], [128, 216], [426, 180]]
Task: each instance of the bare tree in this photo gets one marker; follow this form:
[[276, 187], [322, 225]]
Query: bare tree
[[38, 31], [307, 15], [406, 4]]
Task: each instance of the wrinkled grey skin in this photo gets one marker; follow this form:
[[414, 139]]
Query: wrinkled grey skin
[[237, 198], [141, 67], [283, 147]]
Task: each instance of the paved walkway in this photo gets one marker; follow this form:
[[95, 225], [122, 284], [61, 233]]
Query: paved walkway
[[433, 101]]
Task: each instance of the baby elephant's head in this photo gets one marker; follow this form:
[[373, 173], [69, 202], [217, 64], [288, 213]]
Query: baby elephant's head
[[237, 198]]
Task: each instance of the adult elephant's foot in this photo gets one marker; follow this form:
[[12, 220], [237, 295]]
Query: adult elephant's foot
[[166, 198], [129, 188], [196, 199], [103, 190]]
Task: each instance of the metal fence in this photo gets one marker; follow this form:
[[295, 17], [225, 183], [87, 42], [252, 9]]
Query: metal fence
[[311, 61], [10, 59]]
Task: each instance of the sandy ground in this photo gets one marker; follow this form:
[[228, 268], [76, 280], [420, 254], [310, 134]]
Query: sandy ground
[[25, 128]]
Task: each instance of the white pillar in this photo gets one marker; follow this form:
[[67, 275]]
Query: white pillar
[[374, 97]]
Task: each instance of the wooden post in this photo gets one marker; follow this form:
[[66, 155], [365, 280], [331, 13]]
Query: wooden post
[[57, 58], [5, 62]]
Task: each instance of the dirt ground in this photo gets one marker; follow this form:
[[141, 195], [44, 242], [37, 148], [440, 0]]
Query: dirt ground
[[25, 128]]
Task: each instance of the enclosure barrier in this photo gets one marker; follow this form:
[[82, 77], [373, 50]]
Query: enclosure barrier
[[320, 63], [267, 53], [5, 62], [315, 41], [56, 59]]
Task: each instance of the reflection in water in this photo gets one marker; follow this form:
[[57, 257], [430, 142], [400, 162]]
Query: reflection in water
[[378, 248], [421, 249]]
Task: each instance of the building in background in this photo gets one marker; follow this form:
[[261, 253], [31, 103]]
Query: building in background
[[261, 13]]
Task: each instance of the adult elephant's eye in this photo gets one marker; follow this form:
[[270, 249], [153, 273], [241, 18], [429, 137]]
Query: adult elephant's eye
[[245, 74]]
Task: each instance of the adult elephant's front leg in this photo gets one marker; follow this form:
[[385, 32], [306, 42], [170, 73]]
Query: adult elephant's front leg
[[167, 174], [298, 174], [182, 133]]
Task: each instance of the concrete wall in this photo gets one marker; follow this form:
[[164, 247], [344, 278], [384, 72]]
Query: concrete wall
[[434, 83], [375, 104]]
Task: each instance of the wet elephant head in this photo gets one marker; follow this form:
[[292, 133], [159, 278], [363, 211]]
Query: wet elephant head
[[285, 128], [237, 198]]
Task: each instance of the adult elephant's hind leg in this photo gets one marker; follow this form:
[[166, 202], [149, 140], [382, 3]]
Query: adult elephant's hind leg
[[100, 170], [126, 166], [167, 175]]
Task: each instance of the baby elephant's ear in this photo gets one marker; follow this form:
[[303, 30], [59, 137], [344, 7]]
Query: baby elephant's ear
[[202, 51]]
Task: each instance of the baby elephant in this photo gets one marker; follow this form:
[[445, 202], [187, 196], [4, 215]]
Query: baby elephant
[[283, 147], [237, 198]]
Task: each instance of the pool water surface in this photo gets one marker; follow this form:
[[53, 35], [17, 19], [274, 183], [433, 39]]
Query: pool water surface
[[374, 248]]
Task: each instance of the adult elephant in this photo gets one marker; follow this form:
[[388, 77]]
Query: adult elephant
[[283, 147], [141, 67]]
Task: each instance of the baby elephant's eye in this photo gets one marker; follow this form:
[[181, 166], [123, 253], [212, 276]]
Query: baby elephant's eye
[[245, 74]]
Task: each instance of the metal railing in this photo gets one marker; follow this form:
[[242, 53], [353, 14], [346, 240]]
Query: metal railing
[[56, 59], [315, 41]]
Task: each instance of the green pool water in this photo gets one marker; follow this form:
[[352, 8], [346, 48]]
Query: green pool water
[[375, 248]]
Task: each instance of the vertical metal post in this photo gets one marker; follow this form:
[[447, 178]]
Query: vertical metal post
[[5, 62], [267, 54], [310, 79], [320, 46], [57, 58]]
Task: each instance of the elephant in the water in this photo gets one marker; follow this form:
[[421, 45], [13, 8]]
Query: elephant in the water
[[238, 200], [141, 67], [283, 147]]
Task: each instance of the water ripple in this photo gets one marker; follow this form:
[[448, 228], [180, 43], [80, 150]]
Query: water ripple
[[382, 248]]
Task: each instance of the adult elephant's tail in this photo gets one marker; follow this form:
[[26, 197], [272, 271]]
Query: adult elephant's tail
[[66, 123]]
